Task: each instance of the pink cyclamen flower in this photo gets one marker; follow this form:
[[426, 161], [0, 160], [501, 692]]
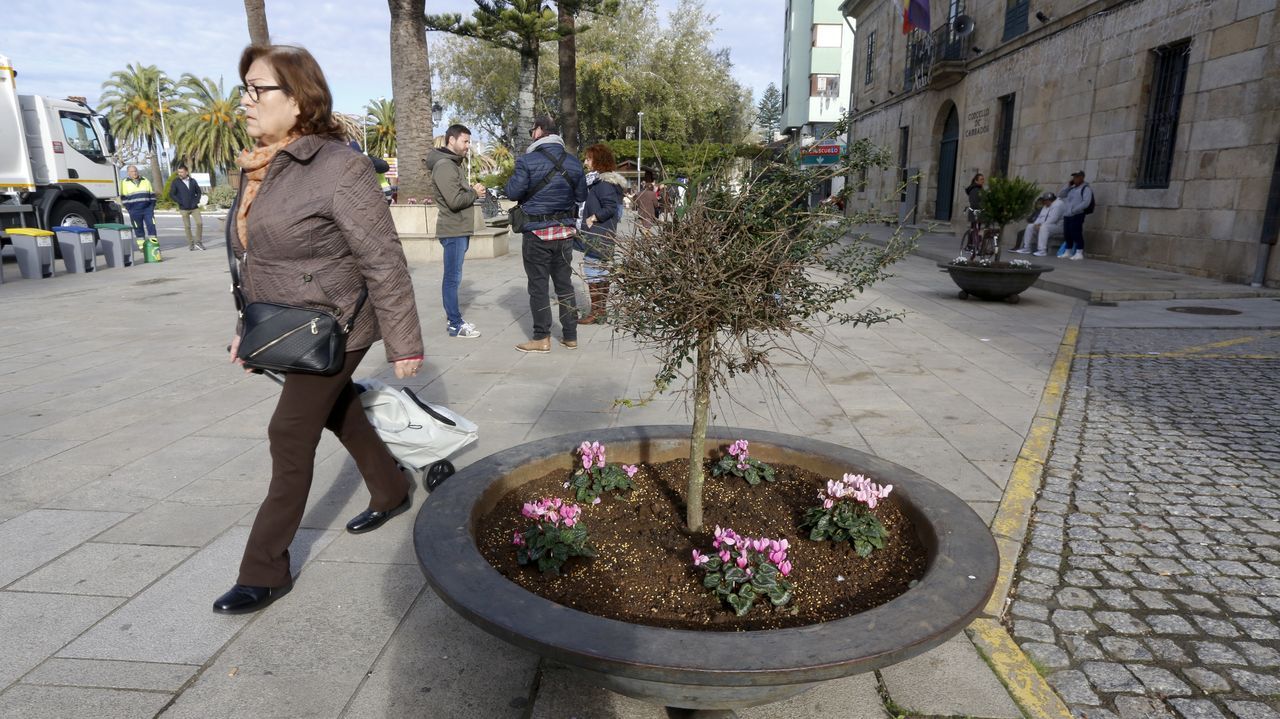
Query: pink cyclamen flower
[[742, 561], [725, 555], [517, 539], [785, 568], [725, 536], [596, 500], [630, 469], [760, 544], [828, 503], [739, 449], [699, 558]]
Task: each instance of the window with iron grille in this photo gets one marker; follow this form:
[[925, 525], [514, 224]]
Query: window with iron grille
[[1004, 140], [1015, 18], [1168, 79], [871, 56], [824, 86]]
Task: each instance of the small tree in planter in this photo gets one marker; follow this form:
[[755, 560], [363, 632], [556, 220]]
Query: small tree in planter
[[741, 268], [1007, 199]]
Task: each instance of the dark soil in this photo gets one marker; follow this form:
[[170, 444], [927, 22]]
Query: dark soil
[[644, 572]]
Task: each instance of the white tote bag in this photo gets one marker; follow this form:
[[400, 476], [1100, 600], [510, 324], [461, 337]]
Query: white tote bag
[[417, 434]]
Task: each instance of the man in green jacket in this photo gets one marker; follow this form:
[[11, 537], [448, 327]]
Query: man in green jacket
[[455, 224]]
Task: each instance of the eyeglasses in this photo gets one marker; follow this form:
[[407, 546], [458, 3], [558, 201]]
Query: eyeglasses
[[254, 91]]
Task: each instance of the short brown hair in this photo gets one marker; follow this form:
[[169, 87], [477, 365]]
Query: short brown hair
[[601, 158], [302, 79]]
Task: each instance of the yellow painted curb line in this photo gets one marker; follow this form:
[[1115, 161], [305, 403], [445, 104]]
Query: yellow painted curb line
[[1025, 685], [1032, 693]]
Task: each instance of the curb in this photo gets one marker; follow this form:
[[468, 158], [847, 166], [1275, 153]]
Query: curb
[[1025, 684]]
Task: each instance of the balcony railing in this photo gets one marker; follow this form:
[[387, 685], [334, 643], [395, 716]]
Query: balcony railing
[[935, 59]]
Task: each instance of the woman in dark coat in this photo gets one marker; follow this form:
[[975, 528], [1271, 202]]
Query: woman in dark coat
[[311, 229], [974, 193], [600, 216]]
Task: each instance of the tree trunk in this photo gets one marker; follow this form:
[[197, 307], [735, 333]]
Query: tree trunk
[[568, 81], [156, 179], [411, 92], [698, 439], [256, 13], [524, 100]]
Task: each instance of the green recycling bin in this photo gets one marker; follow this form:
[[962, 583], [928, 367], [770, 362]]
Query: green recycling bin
[[116, 242], [151, 250]]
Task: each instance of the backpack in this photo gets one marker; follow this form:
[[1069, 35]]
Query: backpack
[[1089, 210]]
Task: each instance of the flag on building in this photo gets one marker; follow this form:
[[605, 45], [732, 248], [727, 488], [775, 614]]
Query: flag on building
[[915, 16]]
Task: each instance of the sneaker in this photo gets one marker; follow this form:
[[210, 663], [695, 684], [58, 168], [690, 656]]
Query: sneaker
[[200, 246], [1062, 251], [465, 330], [541, 346], [1039, 253], [1079, 255], [1023, 251]]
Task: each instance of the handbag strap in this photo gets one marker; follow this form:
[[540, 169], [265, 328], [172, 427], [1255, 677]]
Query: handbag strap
[[238, 294], [559, 170]]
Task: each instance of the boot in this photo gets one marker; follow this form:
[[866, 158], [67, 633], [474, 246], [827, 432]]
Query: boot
[[541, 346], [598, 292]]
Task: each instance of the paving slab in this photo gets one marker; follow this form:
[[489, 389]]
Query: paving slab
[[316, 649], [31, 539], [951, 680], [96, 568], [148, 676], [47, 702], [34, 626], [439, 665], [171, 620], [562, 695], [854, 697], [175, 524]]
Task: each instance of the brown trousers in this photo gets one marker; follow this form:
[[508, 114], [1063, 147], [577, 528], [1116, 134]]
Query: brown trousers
[[308, 404]]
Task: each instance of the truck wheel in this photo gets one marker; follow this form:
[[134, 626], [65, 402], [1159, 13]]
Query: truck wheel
[[72, 213]]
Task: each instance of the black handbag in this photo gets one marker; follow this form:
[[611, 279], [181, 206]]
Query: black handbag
[[284, 338]]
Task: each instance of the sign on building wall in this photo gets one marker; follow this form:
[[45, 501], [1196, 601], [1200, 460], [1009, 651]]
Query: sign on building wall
[[826, 152], [977, 122]]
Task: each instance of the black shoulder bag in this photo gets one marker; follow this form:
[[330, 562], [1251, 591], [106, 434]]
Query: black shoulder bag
[[520, 218], [285, 338]]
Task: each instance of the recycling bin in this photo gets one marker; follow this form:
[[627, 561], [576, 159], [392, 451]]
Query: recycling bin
[[34, 249], [116, 241], [79, 247]]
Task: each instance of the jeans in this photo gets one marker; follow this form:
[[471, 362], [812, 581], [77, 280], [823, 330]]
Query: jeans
[[543, 260], [1073, 232], [144, 221], [186, 225], [455, 249]]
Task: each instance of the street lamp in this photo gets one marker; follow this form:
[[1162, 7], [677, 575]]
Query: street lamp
[[437, 114], [639, 142]]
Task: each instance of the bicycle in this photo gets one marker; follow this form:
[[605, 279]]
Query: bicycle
[[978, 241]]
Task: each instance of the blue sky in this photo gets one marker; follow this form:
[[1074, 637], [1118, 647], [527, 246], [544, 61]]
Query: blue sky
[[68, 47]]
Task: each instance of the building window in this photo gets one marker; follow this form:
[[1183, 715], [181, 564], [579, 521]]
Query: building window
[[1168, 79], [871, 56], [1015, 18], [955, 10], [824, 86], [1004, 140], [827, 35], [904, 144]]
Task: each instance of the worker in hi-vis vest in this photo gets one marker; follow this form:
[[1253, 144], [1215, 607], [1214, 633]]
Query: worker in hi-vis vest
[[139, 201]]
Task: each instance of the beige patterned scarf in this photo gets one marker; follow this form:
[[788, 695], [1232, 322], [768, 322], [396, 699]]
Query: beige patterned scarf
[[254, 162]]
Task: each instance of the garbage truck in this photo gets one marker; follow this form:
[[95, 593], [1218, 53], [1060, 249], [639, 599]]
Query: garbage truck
[[56, 160]]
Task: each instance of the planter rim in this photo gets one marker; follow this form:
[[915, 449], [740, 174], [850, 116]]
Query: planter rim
[[957, 583], [998, 270]]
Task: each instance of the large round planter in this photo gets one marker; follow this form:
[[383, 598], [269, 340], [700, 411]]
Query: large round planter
[[993, 283], [706, 670]]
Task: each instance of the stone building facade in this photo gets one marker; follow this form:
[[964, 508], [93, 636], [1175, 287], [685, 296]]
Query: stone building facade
[[1171, 107]]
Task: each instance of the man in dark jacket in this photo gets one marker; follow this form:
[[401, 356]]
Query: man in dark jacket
[[456, 221], [549, 184], [185, 191]]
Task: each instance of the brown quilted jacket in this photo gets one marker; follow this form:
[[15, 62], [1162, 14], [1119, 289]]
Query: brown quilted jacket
[[319, 230]]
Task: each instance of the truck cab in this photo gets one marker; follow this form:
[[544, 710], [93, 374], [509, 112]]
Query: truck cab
[[56, 164]]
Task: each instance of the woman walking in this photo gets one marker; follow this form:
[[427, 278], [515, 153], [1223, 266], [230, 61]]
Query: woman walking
[[311, 229]]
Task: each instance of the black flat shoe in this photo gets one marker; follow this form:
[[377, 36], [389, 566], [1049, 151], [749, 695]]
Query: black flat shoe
[[369, 520], [242, 598]]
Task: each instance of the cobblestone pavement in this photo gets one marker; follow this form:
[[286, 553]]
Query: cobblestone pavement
[[1150, 582]]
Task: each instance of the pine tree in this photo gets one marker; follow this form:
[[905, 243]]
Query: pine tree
[[769, 112]]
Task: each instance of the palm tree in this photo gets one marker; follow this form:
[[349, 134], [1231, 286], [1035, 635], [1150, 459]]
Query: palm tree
[[351, 125], [211, 131], [135, 99], [411, 90], [380, 133], [255, 11]]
